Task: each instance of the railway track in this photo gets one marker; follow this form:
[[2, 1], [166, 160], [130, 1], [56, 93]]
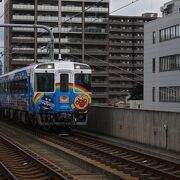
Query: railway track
[[124, 160], [17, 162], [120, 163]]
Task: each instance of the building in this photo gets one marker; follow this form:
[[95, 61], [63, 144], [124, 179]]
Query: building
[[162, 60], [126, 54], [80, 29], [1, 67]]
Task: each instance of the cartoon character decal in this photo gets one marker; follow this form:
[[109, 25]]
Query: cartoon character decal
[[46, 103], [81, 102]]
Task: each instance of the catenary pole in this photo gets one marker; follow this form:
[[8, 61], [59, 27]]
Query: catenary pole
[[48, 29]]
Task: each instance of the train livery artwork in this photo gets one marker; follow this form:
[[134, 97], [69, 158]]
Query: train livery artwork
[[47, 94]]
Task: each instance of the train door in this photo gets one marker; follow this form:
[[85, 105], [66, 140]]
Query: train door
[[65, 79]]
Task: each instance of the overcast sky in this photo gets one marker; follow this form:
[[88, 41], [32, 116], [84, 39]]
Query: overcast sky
[[137, 8]]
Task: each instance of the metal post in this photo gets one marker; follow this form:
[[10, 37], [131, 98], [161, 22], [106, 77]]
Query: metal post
[[51, 53]]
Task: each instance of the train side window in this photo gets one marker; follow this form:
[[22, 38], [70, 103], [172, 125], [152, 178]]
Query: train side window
[[64, 81]]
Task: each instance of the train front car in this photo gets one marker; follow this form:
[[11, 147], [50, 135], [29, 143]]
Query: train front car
[[61, 94]]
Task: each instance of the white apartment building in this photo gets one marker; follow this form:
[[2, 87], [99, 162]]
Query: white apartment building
[[162, 60]]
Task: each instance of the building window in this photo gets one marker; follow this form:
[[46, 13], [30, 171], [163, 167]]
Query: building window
[[169, 94], [153, 94], [169, 33], [173, 32], [154, 37], [178, 31], [153, 65], [169, 63]]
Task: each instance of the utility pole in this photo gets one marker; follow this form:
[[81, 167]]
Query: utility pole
[[51, 43]]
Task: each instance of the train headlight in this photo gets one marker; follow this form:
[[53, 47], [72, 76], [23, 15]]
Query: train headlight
[[81, 102], [77, 67], [64, 99]]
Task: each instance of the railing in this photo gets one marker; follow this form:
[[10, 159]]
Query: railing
[[30, 60], [44, 51], [71, 40], [47, 8], [47, 18], [96, 9], [91, 19], [23, 6], [23, 17], [56, 40], [74, 19], [23, 48], [71, 8], [24, 38], [71, 30]]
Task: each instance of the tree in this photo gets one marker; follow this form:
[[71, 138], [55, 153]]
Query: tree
[[137, 92]]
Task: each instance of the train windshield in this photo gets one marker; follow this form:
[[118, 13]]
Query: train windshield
[[83, 80], [44, 82]]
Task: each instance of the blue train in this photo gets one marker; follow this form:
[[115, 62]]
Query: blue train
[[47, 94]]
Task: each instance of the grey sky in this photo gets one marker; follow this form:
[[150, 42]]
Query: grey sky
[[137, 8]]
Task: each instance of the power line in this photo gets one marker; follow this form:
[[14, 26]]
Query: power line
[[134, 1]]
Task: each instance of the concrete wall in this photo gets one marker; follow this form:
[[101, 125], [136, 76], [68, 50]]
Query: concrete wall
[[154, 128]]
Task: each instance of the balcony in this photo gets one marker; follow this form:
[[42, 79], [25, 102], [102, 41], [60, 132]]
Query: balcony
[[96, 52], [120, 65], [71, 51], [96, 41], [23, 7], [119, 58], [99, 84], [22, 18], [44, 51], [71, 40], [99, 74], [47, 18], [92, 62], [43, 60], [100, 95], [71, 9], [122, 51], [118, 93], [95, 30], [120, 71], [96, 20], [46, 40], [22, 29], [120, 30], [23, 39], [73, 20], [121, 85], [120, 79], [22, 49], [121, 44], [71, 30], [125, 37], [97, 9], [47, 8], [22, 60], [105, 1]]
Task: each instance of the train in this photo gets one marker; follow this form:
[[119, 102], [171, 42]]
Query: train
[[49, 94]]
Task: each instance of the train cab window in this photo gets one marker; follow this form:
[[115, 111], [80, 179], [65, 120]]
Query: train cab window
[[44, 82], [64, 80], [83, 80]]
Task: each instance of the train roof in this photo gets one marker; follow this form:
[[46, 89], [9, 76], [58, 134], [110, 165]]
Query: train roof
[[68, 65]]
